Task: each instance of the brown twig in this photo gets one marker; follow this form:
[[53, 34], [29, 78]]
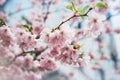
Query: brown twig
[[48, 8], [36, 52], [72, 17]]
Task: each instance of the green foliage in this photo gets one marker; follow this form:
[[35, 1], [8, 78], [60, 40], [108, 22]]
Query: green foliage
[[2, 22], [29, 28], [82, 12], [72, 7], [69, 7], [101, 5], [84, 9]]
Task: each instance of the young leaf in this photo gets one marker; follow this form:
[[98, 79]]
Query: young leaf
[[81, 11], [25, 26], [29, 28], [101, 5], [73, 5], [69, 7], [2, 22], [84, 9]]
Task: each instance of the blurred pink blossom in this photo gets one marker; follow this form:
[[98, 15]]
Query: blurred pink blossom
[[2, 2]]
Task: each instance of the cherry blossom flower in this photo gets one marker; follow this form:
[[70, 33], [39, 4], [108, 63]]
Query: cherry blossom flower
[[38, 29], [3, 15], [6, 73], [54, 52], [59, 37], [2, 2], [55, 38], [6, 55], [95, 25], [25, 39], [65, 54], [6, 36], [23, 52], [47, 64], [95, 19], [25, 62]]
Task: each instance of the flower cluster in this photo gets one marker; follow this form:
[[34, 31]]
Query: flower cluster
[[27, 50]]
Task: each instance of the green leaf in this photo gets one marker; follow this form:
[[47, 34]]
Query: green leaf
[[29, 28], [101, 5], [25, 26], [83, 17], [81, 11], [2, 22], [69, 7], [84, 9], [73, 5]]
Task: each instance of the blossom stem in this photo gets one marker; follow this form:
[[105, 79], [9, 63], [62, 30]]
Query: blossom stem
[[48, 8], [36, 52], [73, 17]]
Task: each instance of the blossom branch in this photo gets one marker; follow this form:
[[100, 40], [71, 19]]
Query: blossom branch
[[36, 52], [73, 17], [48, 8]]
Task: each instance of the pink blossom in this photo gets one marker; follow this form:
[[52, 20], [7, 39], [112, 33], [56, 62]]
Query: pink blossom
[[5, 53], [2, 2], [54, 52], [25, 39], [5, 60], [17, 64], [6, 36], [67, 55], [95, 19], [103, 57], [55, 38], [25, 62], [15, 73], [37, 30], [83, 61], [47, 64], [60, 36], [3, 15], [95, 26]]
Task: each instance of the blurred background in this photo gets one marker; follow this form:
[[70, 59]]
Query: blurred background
[[104, 50]]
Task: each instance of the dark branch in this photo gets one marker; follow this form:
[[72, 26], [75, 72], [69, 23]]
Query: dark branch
[[73, 17], [36, 52], [48, 8]]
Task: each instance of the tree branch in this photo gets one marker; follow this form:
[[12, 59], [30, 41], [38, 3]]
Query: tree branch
[[48, 8], [72, 17], [36, 52]]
